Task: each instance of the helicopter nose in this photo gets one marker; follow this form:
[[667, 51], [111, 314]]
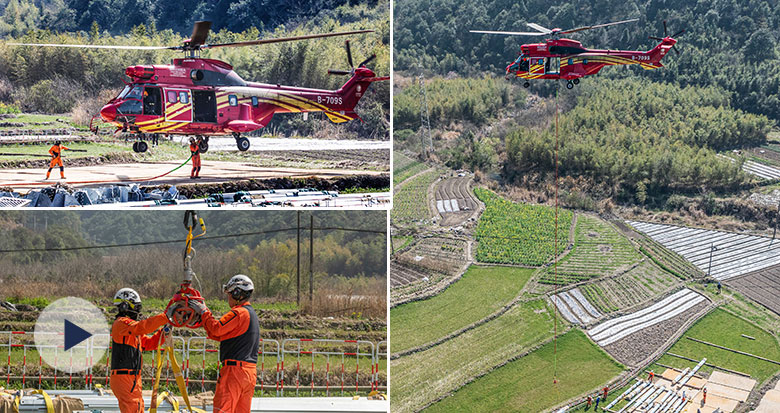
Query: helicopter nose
[[108, 113]]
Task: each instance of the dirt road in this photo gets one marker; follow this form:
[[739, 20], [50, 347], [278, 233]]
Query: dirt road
[[141, 173]]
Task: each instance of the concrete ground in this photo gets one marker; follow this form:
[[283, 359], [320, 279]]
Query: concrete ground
[[211, 172]]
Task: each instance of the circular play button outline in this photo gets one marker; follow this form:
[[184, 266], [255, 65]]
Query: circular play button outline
[[71, 335]]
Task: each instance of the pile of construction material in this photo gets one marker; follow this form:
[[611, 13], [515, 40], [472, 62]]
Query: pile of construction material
[[55, 196]]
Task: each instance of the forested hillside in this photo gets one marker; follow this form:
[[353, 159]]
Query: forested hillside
[[58, 80], [119, 16], [727, 43], [337, 252]]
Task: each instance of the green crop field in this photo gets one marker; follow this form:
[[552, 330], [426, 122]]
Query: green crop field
[[599, 250], [526, 385], [518, 233], [421, 378], [405, 167], [410, 202], [634, 287], [724, 329], [481, 292]]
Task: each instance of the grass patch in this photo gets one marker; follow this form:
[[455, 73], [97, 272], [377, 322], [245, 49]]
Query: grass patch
[[421, 378], [401, 241], [410, 201], [720, 327], [93, 149], [525, 385], [480, 292], [405, 167]]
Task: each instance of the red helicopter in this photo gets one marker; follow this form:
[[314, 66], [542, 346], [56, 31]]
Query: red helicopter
[[566, 59], [205, 97]]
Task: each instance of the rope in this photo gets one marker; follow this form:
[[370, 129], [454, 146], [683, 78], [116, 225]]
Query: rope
[[555, 264], [100, 181]]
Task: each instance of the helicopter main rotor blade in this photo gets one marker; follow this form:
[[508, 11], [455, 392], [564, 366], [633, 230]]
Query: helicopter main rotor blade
[[509, 33], [370, 58], [678, 33], [200, 31], [283, 39], [538, 27], [96, 46], [597, 26], [349, 53]]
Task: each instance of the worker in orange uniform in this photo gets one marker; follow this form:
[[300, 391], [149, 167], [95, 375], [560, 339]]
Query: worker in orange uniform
[[195, 151], [239, 335], [56, 158], [129, 336]]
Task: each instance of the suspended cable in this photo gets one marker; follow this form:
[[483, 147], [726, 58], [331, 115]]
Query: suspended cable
[[244, 234]]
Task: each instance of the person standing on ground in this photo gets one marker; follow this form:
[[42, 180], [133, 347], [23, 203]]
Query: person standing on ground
[[56, 158], [238, 333], [129, 337], [195, 151]]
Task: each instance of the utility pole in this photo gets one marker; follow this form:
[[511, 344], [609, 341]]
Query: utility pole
[[298, 266], [425, 120], [311, 263], [777, 216], [713, 248]]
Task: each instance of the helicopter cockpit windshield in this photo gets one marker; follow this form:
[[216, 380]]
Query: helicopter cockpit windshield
[[132, 95], [519, 65]]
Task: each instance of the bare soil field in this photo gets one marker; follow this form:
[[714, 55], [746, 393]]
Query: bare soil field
[[454, 200], [762, 286]]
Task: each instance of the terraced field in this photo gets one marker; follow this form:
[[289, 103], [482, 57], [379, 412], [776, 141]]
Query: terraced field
[[525, 385], [454, 200], [632, 288], [438, 254], [401, 275], [421, 378], [410, 201], [405, 167], [733, 255], [480, 292], [518, 233], [668, 259], [599, 250], [762, 286]]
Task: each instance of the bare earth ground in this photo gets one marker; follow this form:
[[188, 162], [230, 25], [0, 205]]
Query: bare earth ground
[[211, 172]]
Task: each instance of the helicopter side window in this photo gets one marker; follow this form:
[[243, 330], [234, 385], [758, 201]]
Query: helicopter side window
[[233, 99], [184, 98], [254, 101], [152, 101], [212, 78], [172, 97]]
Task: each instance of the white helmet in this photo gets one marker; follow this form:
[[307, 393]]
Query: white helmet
[[239, 282], [128, 296]]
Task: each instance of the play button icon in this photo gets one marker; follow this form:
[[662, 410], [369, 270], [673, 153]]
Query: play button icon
[[74, 335], [71, 335]]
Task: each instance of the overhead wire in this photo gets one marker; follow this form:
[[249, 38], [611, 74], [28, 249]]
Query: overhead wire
[[176, 241]]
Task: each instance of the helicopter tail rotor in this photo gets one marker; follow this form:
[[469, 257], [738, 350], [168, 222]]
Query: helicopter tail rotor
[[351, 64], [666, 36]]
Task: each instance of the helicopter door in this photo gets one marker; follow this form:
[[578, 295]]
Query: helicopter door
[[178, 105], [537, 66], [553, 65]]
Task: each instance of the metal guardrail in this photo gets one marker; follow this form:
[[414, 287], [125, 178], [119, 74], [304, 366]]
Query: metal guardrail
[[315, 366]]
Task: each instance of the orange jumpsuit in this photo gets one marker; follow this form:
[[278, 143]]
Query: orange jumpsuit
[[129, 340], [56, 159], [195, 150], [239, 335]]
